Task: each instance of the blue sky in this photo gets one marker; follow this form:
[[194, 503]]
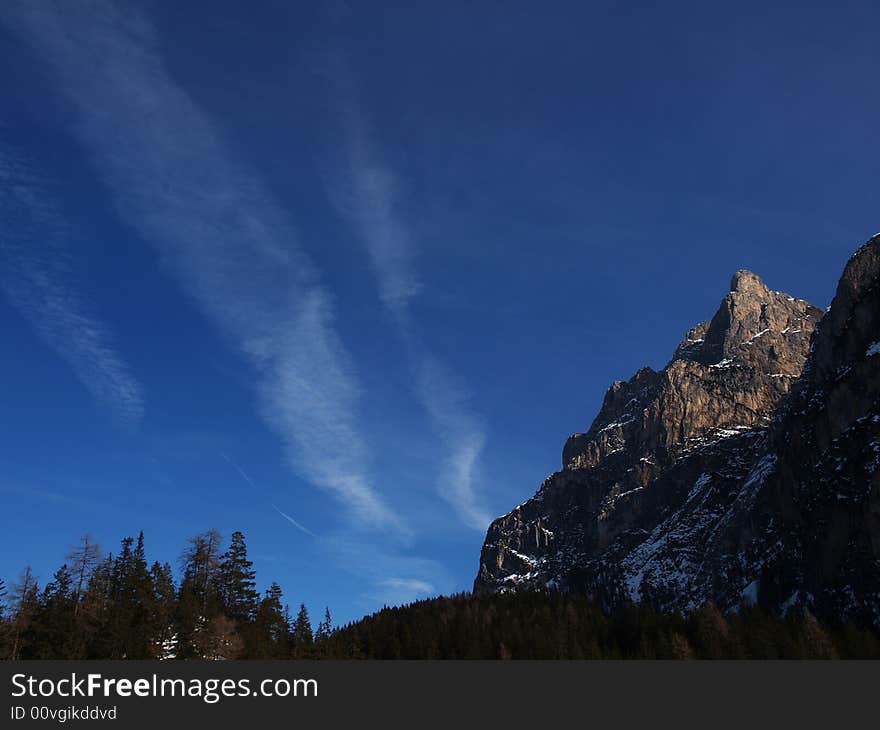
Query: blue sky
[[345, 276]]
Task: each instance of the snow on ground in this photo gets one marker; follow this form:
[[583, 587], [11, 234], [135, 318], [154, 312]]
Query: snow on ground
[[651, 558]]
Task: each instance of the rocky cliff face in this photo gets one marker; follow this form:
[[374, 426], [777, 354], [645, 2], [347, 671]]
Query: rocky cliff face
[[746, 470]]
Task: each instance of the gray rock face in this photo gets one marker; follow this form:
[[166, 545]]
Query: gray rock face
[[717, 478], [821, 505]]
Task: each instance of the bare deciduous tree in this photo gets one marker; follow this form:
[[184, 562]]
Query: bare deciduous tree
[[83, 560]]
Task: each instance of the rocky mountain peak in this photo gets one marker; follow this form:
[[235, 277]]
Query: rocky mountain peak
[[748, 313], [726, 375], [747, 282], [747, 470]]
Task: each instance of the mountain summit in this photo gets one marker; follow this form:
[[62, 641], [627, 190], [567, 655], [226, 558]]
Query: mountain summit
[[744, 471]]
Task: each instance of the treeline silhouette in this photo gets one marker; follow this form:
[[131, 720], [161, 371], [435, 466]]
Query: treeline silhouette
[[121, 607], [116, 607], [553, 625]]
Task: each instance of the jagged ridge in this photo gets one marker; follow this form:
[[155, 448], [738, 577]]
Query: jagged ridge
[[681, 490]]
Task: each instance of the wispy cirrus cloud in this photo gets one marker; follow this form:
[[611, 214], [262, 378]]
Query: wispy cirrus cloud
[[218, 228], [367, 193], [387, 577], [37, 270], [463, 432]]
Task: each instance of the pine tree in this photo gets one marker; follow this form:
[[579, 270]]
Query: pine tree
[[130, 594], [139, 594], [95, 611], [53, 624], [325, 626], [287, 648], [322, 634], [119, 608], [238, 581], [271, 627], [303, 641], [163, 606], [24, 605]]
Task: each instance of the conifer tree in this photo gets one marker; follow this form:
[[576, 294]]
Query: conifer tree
[[128, 607], [112, 627], [303, 641], [53, 626], [287, 649], [323, 632], [118, 615], [95, 611], [24, 605], [271, 627], [139, 594], [163, 606], [324, 626], [238, 581]]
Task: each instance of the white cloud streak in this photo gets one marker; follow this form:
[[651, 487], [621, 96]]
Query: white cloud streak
[[36, 275], [293, 522], [217, 228], [464, 434], [367, 195], [246, 477], [241, 472]]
